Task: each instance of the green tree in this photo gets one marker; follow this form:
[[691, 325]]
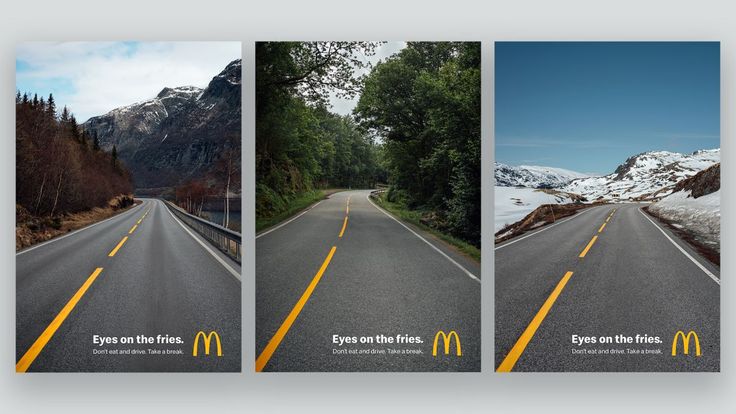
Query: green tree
[[296, 135], [424, 102]]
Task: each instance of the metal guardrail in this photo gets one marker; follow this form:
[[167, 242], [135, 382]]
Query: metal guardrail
[[228, 241]]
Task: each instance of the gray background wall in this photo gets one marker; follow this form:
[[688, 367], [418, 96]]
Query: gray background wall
[[370, 20]]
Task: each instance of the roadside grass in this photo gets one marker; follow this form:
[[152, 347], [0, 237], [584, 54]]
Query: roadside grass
[[295, 206], [414, 217]]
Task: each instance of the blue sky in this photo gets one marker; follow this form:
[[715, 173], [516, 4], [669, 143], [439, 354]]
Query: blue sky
[[92, 78], [587, 106]]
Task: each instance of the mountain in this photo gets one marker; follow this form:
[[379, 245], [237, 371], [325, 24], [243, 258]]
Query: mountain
[[646, 176], [533, 176], [178, 135]]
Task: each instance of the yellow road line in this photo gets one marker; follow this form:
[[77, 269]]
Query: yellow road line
[[347, 208], [602, 226], [27, 359], [585, 251], [508, 363], [139, 220], [609, 217], [270, 348], [344, 225], [135, 226], [115, 250]]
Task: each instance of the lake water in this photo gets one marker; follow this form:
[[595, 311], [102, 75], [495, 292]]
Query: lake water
[[217, 216]]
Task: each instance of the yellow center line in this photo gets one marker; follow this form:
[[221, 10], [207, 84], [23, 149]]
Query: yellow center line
[[344, 225], [139, 220], [585, 251], [27, 359], [274, 343], [115, 250], [609, 217], [133, 229], [602, 226], [518, 349]]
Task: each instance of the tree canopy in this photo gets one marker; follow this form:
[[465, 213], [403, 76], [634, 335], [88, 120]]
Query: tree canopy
[[425, 104], [300, 144], [416, 127]]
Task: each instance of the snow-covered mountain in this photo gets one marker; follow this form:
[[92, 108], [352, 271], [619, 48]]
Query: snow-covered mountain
[[646, 176], [177, 135], [533, 176]]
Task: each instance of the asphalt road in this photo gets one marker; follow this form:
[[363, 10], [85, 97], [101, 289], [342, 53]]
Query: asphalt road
[[160, 281], [632, 280], [381, 279]]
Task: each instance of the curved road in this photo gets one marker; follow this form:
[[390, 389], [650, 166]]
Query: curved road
[[159, 281], [321, 275], [636, 277]]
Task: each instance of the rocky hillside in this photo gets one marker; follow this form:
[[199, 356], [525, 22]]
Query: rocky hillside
[[177, 135], [647, 176], [533, 176]]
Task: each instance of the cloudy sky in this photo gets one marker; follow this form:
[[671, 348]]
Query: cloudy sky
[[345, 106], [92, 78]]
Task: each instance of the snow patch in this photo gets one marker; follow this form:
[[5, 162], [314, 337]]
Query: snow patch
[[514, 203], [701, 216]]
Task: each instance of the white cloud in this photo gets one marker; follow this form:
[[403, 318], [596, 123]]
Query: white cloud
[[92, 78]]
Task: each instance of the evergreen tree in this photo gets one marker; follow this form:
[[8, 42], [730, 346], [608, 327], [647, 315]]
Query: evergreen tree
[[64, 115], [74, 129], [51, 107]]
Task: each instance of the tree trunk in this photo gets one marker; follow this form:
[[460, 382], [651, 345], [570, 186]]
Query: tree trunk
[[40, 193], [58, 190]]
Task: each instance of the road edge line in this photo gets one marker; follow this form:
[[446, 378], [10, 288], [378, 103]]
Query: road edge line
[[703, 268], [215, 255], [288, 221], [74, 232], [467, 272]]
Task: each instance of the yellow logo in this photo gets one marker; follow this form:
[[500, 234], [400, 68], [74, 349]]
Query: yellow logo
[[446, 338], [685, 343], [207, 339]]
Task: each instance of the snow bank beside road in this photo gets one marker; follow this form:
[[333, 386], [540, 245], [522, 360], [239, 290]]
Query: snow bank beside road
[[701, 216]]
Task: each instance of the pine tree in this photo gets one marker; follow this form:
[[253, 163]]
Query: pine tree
[[114, 155], [51, 107], [64, 115], [74, 128]]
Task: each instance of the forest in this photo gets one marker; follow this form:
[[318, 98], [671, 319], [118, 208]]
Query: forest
[[416, 127], [60, 168]]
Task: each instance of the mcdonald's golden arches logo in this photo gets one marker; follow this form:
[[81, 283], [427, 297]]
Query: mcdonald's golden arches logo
[[446, 338], [685, 343], [207, 339]]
